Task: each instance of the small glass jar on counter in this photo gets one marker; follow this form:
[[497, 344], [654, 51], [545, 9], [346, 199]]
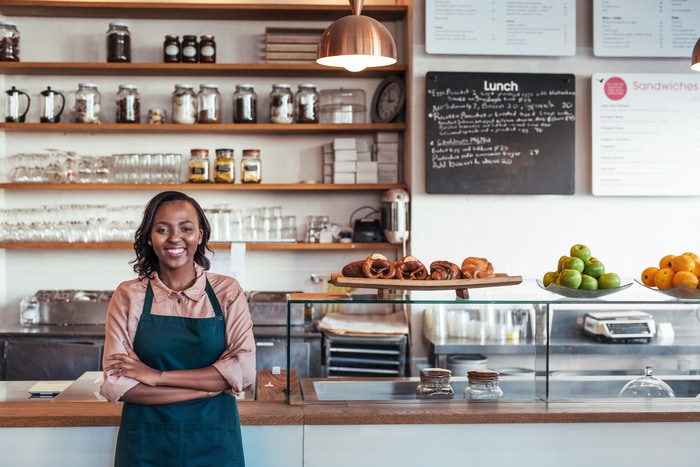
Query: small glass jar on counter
[[199, 165], [251, 166], [171, 49], [207, 49], [118, 43], [190, 49], [9, 42], [208, 104], [88, 104], [29, 311], [435, 384], [245, 104], [307, 104], [281, 104], [483, 385], [224, 168], [128, 104], [184, 104]]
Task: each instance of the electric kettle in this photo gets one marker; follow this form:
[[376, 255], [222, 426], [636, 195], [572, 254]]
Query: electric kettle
[[52, 104], [15, 109]]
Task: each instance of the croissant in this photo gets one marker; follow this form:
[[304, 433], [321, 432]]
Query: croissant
[[444, 271], [410, 267], [377, 266], [475, 268]]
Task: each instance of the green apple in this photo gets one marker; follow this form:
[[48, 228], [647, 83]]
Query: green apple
[[549, 277], [588, 282], [580, 251], [594, 268], [572, 262], [569, 278], [609, 280]]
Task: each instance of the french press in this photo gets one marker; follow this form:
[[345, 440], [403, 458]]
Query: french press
[[52, 104], [15, 109]]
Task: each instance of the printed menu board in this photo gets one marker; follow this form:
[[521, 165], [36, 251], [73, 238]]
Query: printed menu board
[[645, 134], [500, 27], [499, 133], [645, 28]]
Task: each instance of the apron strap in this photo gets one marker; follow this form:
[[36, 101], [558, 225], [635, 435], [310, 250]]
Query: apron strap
[[218, 312]]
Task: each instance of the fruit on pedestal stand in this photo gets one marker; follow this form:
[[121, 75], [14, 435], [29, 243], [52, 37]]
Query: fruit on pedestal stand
[[591, 271]]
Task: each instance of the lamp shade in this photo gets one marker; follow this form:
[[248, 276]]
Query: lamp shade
[[695, 60], [356, 42]]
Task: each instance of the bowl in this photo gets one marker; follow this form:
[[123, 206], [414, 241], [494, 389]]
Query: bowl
[[579, 293]]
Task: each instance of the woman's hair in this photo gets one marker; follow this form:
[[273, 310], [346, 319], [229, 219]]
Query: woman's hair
[[146, 261]]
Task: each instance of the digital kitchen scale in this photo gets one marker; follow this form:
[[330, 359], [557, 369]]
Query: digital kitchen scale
[[619, 326]]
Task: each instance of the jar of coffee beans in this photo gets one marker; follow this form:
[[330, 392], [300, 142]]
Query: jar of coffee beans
[[307, 109], [245, 104], [88, 103], [128, 104], [118, 42], [9, 42]]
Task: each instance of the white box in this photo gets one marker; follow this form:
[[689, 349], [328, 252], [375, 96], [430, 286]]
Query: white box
[[344, 143], [345, 166], [366, 177], [386, 156], [345, 155], [387, 173], [386, 137], [341, 177], [364, 156], [366, 166], [387, 146], [362, 145]]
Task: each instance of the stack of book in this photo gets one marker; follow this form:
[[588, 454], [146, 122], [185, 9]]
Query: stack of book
[[291, 44]]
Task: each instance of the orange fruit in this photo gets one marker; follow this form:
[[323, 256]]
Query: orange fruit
[[686, 278], [682, 263], [666, 261], [692, 255], [664, 278], [648, 276], [696, 271]]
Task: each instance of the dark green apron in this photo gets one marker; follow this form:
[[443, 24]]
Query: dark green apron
[[202, 432]]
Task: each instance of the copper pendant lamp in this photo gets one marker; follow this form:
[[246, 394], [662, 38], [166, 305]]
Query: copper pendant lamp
[[356, 42], [695, 59]]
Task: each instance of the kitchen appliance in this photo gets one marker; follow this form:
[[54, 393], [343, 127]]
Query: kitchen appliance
[[619, 326], [367, 231], [395, 215], [16, 105], [52, 105], [73, 307]]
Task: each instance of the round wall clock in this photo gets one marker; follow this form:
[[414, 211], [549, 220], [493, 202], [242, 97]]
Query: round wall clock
[[389, 100]]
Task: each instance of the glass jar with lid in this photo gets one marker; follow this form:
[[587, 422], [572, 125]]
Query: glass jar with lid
[[199, 165], [281, 104], [245, 104], [184, 104], [251, 166], [483, 385], [190, 49], [224, 169], [118, 42], [9, 42], [88, 103], [307, 104], [207, 49], [209, 104], [435, 384], [171, 49], [128, 104]]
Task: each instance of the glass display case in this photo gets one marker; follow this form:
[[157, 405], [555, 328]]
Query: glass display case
[[544, 348]]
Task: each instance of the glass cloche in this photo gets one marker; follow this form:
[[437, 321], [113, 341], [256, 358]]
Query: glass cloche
[[647, 386]]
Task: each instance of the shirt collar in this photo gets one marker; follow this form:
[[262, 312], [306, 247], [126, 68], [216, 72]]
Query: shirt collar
[[162, 291]]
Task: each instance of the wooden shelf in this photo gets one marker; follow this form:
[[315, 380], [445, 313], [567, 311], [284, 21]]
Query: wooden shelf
[[190, 69], [207, 9], [247, 128], [214, 246], [312, 187]]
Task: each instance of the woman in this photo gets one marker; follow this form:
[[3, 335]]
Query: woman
[[178, 346]]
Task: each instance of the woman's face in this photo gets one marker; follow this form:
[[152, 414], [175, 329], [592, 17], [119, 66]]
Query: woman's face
[[175, 234]]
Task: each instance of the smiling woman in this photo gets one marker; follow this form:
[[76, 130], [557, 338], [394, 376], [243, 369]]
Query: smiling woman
[[178, 345]]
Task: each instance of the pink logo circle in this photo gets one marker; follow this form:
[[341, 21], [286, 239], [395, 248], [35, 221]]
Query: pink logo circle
[[615, 88]]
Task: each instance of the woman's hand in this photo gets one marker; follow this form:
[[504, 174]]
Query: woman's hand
[[129, 365]]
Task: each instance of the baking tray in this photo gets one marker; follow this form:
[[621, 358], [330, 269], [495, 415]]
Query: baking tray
[[386, 286]]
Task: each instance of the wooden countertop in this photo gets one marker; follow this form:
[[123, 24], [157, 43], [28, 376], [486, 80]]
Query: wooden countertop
[[61, 414]]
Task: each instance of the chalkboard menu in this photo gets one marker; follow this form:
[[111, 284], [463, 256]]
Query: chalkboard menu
[[499, 133]]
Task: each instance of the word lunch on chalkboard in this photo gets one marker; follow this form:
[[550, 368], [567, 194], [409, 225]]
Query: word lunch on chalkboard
[[499, 133]]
